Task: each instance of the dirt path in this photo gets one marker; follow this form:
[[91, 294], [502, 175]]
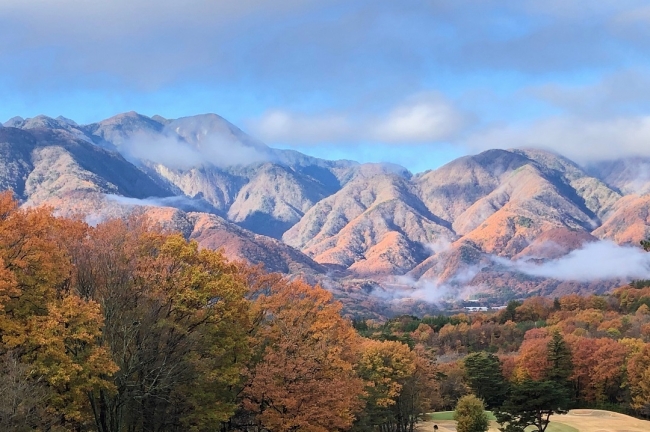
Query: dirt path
[[582, 420]]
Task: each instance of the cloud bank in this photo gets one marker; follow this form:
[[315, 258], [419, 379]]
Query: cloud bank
[[595, 261], [432, 291], [581, 139], [423, 118], [180, 202], [570, 76], [134, 39], [603, 260], [173, 152]]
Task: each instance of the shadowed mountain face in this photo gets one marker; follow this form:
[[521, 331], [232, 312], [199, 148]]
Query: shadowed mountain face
[[40, 164], [296, 214]]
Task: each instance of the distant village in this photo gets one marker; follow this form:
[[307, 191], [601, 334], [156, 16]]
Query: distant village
[[479, 306]]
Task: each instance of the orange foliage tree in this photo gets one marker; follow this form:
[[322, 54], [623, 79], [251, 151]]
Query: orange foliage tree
[[303, 377], [533, 359], [599, 368]]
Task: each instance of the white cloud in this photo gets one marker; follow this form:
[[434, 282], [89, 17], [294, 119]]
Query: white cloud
[[594, 121], [583, 140], [168, 151], [116, 19], [423, 118], [287, 127], [439, 246], [180, 202], [595, 261], [619, 93], [430, 290], [176, 153]]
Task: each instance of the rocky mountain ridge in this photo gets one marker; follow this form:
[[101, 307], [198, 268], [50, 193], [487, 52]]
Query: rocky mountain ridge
[[334, 221]]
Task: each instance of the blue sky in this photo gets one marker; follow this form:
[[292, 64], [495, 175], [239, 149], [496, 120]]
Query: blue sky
[[411, 82]]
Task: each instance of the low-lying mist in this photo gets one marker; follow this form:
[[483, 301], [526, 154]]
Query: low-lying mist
[[600, 260]]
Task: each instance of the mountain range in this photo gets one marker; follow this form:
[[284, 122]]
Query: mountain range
[[372, 233]]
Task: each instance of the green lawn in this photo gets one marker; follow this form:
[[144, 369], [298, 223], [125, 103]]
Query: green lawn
[[552, 427], [449, 415]]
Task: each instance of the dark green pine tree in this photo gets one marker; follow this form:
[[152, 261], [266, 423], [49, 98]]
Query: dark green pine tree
[[510, 312], [556, 304], [484, 377], [559, 359], [645, 244], [531, 403]]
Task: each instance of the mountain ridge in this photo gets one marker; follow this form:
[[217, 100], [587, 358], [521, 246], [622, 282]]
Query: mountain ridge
[[313, 217]]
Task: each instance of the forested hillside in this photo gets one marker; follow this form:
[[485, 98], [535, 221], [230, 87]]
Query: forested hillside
[[127, 327], [594, 350]]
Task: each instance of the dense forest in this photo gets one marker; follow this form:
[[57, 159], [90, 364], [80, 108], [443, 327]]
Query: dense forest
[[125, 327], [581, 351]]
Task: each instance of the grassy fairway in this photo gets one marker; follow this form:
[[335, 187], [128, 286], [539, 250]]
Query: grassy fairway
[[449, 415], [585, 420]]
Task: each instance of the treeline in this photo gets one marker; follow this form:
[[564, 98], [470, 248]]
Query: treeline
[[605, 340], [122, 327]]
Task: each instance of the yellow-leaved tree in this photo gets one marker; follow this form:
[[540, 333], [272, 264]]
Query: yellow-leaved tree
[[175, 325], [44, 324], [386, 367], [638, 375]]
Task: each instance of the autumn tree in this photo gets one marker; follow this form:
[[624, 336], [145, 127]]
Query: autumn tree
[[638, 370], [451, 378], [534, 309], [385, 366], [421, 391], [175, 321], [43, 322], [533, 355], [23, 397], [303, 376], [470, 415], [599, 368]]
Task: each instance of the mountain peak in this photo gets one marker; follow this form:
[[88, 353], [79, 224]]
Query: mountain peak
[[196, 129], [14, 122], [160, 119], [67, 121], [127, 116], [43, 121]]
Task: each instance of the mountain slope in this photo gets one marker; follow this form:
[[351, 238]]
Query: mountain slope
[[40, 164], [214, 232], [364, 223], [375, 224]]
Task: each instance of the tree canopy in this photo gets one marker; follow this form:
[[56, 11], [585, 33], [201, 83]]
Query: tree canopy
[[470, 415]]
